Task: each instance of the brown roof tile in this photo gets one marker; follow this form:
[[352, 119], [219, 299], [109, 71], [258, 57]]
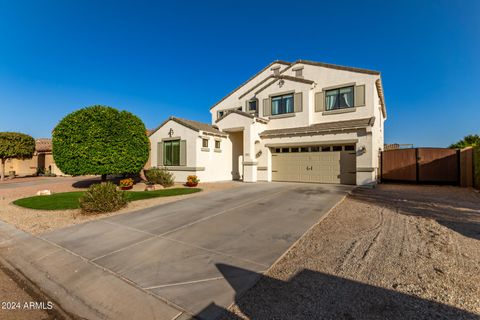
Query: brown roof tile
[[192, 124], [43, 145], [320, 128]]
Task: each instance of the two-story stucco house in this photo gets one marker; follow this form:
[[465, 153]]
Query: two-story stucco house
[[303, 121]]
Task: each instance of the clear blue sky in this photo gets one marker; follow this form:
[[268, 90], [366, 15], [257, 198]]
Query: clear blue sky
[[179, 57]]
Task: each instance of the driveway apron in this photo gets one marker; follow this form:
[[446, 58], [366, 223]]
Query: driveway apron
[[206, 250]]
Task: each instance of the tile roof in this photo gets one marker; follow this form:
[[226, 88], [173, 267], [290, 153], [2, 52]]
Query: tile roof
[[242, 113], [320, 128], [292, 64], [192, 124], [43, 145]]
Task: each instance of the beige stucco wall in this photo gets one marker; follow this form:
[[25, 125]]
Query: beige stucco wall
[[370, 140], [207, 165], [29, 167], [25, 167]]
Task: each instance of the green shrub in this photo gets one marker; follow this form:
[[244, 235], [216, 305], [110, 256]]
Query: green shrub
[[102, 197], [100, 140], [14, 145], [160, 176]]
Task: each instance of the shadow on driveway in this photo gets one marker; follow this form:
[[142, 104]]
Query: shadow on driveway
[[453, 207], [315, 295]]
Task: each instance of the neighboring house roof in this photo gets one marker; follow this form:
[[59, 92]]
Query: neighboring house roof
[[292, 64], [192, 124], [395, 146], [242, 113], [43, 145], [320, 128]]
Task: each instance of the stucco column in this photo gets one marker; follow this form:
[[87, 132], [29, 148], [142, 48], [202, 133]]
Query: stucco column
[[269, 164], [365, 162], [249, 160]]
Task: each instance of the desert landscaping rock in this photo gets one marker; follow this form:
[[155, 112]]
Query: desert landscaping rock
[[40, 221]]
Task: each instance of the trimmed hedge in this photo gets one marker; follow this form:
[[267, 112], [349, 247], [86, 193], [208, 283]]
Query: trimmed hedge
[[15, 145], [100, 140]]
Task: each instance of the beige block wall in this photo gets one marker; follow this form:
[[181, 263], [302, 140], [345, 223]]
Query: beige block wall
[[29, 167]]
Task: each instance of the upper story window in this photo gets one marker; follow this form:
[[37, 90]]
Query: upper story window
[[339, 98], [252, 105], [217, 144], [282, 104], [205, 143]]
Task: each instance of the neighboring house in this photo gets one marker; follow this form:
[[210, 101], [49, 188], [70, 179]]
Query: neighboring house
[[42, 160], [303, 121], [395, 146]]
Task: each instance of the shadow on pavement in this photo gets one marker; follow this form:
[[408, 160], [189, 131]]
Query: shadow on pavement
[[315, 295], [452, 207]]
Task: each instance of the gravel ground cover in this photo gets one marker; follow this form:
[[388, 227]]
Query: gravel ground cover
[[393, 252], [39, 221]]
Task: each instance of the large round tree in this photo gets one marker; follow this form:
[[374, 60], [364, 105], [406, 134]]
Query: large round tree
[[15, 145], [100, 140]]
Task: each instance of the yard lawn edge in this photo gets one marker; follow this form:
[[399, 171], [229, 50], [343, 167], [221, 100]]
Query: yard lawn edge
[[34, 291], [197, 190], [295, 243]]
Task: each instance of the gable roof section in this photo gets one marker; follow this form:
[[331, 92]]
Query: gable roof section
[[191, 124], [320, 128], [242, 113], [43, 145], [290, 65], [333, 66], [251, 78], [290, 78]]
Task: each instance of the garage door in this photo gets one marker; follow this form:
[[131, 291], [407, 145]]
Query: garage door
[[314, 164]]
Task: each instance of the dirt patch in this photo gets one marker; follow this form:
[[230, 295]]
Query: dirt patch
[[40, 221], [21, 300], [393, 252]]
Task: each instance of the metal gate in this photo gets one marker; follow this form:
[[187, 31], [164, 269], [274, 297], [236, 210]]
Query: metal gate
[[421, 165]]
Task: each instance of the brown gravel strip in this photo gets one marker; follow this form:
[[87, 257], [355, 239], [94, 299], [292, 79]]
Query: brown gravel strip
[[393, 252]]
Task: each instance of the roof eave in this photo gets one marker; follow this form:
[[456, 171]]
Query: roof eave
[[251, 78]]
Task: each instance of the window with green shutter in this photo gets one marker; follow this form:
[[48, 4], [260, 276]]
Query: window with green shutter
[[171, 153]]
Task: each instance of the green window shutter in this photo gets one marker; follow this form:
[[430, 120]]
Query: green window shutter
[[320, 101], [246, 106], [297, 102], [267, 107], [183, 152], [359, 96], [160, 154]]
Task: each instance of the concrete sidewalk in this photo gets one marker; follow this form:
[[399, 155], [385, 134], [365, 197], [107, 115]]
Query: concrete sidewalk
[[80, 286]]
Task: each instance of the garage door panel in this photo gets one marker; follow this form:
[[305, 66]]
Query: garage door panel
[[320, 167]]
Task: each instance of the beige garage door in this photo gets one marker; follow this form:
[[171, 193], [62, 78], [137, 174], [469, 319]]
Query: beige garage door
[[320, 167]]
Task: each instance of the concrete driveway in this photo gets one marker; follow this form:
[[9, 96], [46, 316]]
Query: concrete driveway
[[173, 251]]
